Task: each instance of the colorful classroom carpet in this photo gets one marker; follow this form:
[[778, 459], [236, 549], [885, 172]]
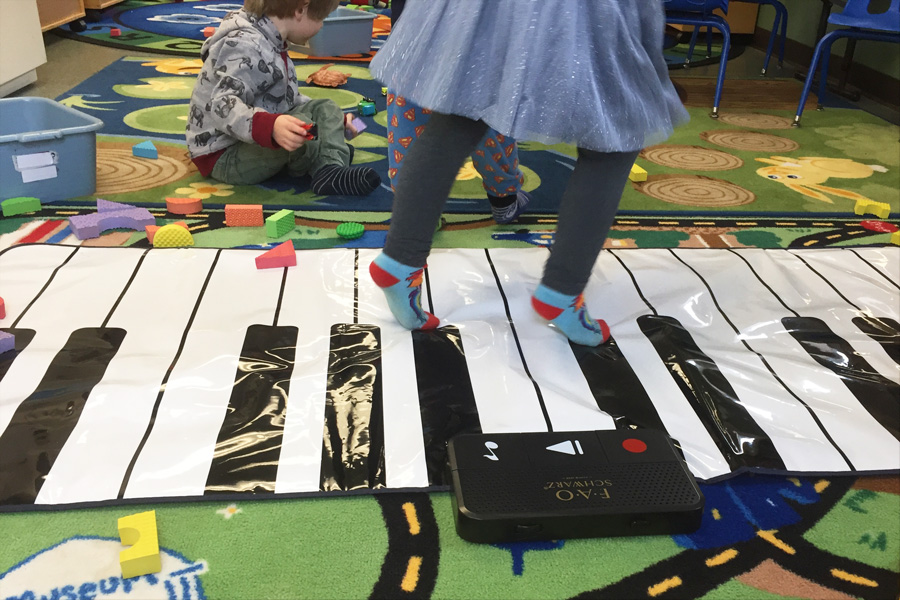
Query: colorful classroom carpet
[[763, 537], [176, 28], [746, 179]]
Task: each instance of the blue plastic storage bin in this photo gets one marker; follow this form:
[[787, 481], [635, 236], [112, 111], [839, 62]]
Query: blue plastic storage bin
[[344, 31], [47, 150]]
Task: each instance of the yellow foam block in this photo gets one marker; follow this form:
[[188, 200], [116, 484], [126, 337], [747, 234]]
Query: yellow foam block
[[637, 174], [895, 238], [882, 210], [139, 532], [172, 236]]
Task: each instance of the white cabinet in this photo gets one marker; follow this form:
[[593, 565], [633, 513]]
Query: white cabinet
[[21, 44]]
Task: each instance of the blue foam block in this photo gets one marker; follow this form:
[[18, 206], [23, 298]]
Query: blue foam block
[[145, 150]]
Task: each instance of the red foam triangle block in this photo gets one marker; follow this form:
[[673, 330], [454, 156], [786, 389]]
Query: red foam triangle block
[[282, 255]]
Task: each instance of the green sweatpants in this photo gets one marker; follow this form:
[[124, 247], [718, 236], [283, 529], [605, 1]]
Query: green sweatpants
[[248, 164]]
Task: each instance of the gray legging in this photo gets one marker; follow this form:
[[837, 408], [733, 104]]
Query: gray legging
[[586, 210]]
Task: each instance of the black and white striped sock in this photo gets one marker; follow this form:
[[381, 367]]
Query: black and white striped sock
[[346, 181]]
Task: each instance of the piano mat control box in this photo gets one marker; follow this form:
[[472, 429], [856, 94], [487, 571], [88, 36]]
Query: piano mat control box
[[544, 486]]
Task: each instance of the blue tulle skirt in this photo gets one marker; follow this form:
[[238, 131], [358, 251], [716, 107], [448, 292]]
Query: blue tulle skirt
[[586, 72]]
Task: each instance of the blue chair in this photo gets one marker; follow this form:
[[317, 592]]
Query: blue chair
[[781, 19], [859, 24], [699, 13]]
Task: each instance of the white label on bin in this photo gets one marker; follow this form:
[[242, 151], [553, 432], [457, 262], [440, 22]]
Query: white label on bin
[[36, 167]]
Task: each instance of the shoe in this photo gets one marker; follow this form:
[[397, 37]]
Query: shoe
[[508, 214]]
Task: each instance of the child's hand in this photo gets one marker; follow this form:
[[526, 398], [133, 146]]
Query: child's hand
[[289, 132]]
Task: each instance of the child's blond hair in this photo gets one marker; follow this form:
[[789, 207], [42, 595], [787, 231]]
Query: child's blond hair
[[318, 9]]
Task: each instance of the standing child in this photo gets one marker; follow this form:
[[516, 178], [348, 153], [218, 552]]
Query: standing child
[[586, 72], [248, 119]]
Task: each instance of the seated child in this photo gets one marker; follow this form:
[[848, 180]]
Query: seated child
[[247, 118]]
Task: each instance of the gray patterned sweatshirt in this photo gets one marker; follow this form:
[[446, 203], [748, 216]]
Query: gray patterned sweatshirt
[[247, 80]]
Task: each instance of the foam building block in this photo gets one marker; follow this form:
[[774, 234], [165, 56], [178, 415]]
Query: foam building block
[[7, 342], [145, 150], [358, 124], [208, 31], [282, 255], [18, 206], [2, 309], [139, 532], [115, 32], [637, 174], [172, 236], [882, 210], [184, 206], [152, 229], [280, 223], [895, 238], [110, 215], [244, 215]]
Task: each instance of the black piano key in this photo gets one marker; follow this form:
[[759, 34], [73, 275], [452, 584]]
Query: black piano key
[[884, 330], [249, 442], [740, 439], [616, 388], [446, 400], [43, 422], [877, 394], [23, 337], [353, 441]]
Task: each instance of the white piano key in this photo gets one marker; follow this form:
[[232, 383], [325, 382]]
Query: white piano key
[[404, 445], [154, 312], [318, 294], [175, 460], [811, 296], [855, 280], [676, 291], [465, 294], [80, 295], [566, 393], [611, 295], [24, 270], [820, 388], [884, 260]]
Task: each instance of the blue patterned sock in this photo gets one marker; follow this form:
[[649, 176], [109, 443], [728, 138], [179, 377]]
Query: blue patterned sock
[[569, 315], [402, 285]]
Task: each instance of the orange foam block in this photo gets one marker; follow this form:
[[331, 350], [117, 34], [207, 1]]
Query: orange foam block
[[2, 309], [208, 31], [244, 215], [282, 255], [152, 229], [184, 206]]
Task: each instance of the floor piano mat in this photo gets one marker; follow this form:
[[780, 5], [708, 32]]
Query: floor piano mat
[[175, 374]]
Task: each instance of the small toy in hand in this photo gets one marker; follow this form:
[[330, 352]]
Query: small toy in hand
[[353, 126], [366, 107], [312, 131], [325, 78]]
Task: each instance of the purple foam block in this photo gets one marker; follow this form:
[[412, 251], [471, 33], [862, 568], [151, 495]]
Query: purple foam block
[[107, 206], [91, 226], [7, 342], [357, 123]]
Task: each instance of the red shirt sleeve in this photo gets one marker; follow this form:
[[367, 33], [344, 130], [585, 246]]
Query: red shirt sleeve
[[262, 127]]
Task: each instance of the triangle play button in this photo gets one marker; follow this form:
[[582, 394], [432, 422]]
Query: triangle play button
[[567, 447]]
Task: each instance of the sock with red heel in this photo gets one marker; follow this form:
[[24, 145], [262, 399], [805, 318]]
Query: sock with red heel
[[402, 286], [570, 316]]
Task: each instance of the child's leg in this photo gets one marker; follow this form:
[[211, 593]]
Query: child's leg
[[327, 158], [586, 212], [248, 164], [497, 161], [422, 187], [496, 158]]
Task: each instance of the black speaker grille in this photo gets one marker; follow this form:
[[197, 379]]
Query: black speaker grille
[[649, 486]]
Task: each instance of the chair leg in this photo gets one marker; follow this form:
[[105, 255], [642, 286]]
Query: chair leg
[[823, 71], [771, 45], [810, 75], [690, 54], [784, 24], [722, 26], [708, 42]]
